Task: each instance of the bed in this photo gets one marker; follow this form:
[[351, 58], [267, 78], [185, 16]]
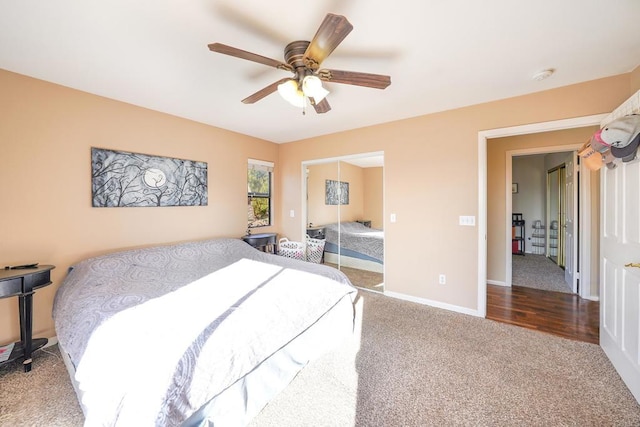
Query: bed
[[355, 245], [193, 334]]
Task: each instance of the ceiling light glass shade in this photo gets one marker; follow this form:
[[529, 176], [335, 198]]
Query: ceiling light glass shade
[[291, 93], [312, 88]]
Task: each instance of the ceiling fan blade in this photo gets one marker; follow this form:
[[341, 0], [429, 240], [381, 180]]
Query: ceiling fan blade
[[264, 92], [332, 31], [376, 81], [243, 54], [322, 106], [253, 23]]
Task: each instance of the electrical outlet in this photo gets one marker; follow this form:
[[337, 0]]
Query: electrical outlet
[[292, 213], [442, 279], [392, 217]]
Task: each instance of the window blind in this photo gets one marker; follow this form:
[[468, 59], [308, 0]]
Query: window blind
[[260, 165]]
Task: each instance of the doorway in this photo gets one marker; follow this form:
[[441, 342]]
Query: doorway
[[544, 202], [556, 310], [483, 137], [540, 202], [345, 208]]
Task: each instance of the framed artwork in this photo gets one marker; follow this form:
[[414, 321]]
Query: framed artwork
[[514, 187], [123, 179], [336, 192]]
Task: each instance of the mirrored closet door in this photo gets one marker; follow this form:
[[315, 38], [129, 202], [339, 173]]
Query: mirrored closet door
[[345, 206], [556, 217]]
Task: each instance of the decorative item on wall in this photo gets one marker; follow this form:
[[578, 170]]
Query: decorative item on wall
[[514, 187], [120, 178], [336, 192]]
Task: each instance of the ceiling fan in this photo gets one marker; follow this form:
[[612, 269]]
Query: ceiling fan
[[303, 59]]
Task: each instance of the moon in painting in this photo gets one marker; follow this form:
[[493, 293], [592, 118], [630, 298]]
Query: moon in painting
[[154, 178]]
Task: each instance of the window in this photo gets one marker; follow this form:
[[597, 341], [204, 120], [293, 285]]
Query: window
[[259, 193]]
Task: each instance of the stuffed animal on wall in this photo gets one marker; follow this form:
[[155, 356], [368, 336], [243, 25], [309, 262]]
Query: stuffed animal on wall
[[596, 153], [622, 136]]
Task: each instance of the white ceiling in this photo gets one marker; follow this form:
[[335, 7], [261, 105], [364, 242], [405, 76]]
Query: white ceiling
[[440, 54]]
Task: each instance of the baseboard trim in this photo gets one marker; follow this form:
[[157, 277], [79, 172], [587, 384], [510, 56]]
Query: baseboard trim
[[593, 298], [436, 304], [496, 282], [51, 341]]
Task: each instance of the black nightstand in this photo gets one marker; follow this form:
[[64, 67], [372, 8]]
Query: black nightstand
[[22, 283], [265, 242], [315, 232]]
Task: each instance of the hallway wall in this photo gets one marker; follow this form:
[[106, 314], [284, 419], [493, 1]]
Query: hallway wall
[[530, 200]]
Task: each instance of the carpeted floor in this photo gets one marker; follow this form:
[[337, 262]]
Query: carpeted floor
[[363, 278], [42, 397], [539, 272], [416, 366]]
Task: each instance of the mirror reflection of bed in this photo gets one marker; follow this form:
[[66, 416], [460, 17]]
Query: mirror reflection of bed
[[345, 207]]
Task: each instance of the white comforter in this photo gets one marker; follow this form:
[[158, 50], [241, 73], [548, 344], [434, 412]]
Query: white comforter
[[246, 312]]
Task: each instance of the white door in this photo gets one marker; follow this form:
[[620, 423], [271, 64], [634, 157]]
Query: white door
[[620, 285], [620, 246], [570, 223]]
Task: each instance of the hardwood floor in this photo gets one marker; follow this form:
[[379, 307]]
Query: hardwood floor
[[557, 313]]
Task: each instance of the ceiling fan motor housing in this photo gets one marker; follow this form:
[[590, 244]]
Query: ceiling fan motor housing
[[294, 56]]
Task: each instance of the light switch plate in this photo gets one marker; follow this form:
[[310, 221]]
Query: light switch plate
[[467, 220]]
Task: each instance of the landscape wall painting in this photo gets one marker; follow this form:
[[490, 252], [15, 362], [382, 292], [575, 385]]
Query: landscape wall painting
[[123, 179]]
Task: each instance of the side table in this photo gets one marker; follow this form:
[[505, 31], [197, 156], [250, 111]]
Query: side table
[[316, 232], [266, 242], [23, 283]]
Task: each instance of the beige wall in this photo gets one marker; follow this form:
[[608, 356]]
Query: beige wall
[[431, 178], [373, 196], [320, 213], [635, 80], [354, 176], [317, 212], [46, 132]]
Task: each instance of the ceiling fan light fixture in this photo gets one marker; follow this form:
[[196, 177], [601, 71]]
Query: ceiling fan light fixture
[[312, 88], [291, 93]]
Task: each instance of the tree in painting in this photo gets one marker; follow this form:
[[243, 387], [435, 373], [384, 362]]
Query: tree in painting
[[336, 192], [131, 179]]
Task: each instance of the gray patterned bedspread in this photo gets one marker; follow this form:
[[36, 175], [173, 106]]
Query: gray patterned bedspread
[[358, 238], [103, 313]]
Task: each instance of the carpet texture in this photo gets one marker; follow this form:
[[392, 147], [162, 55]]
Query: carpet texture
[[539, 272], [416, 366], [42, 397], [363, 278]]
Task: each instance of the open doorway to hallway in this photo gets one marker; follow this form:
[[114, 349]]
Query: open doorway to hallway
[[538, 306], [541, 203]]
